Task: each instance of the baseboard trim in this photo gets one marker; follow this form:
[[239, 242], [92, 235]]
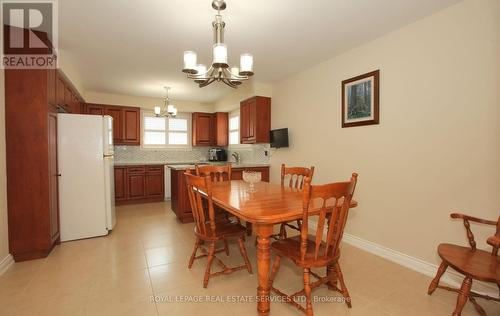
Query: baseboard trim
[[6, 263], [450, 277]]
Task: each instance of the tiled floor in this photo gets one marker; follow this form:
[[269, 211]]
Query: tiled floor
[[147, 255]]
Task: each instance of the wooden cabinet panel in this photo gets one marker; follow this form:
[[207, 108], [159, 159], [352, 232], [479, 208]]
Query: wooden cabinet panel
[[255, 120], [120, 183], [52, 86], [94, 109], [154, 185], [117, 115], [136, 185], [60, 91], [202, 129], [237, 173], [221, 129], [131, 126], [53, 178]]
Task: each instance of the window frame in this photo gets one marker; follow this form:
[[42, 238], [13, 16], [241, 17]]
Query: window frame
[[239, 145], [186, 116]]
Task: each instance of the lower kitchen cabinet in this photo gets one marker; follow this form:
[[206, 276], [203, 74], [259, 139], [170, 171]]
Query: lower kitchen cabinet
[[180, 198], [139, 184]]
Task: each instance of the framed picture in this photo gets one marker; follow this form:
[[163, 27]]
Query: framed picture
[[360, 97]]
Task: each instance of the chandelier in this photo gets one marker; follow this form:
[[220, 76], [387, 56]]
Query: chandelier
[[219, 70], [168, 109]]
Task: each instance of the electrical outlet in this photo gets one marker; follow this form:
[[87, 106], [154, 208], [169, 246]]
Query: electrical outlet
[[266, 153]]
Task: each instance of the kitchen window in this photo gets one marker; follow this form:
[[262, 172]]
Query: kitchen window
[[163, 132], [234, 129]]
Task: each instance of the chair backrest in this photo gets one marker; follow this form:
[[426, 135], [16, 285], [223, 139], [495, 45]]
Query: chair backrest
[[201, 215], [324, 197], [296, 176], [216, 173]]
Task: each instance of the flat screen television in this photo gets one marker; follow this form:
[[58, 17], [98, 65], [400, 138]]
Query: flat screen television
[[279, 138]]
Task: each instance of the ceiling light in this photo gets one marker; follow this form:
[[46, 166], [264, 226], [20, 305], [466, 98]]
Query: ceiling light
[[168, 109], [219, 70]]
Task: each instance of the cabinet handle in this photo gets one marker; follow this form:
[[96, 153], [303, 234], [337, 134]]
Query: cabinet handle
[[58, 174]]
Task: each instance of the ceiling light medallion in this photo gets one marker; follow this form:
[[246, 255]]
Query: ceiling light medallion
[[168, 109], [219, 70]]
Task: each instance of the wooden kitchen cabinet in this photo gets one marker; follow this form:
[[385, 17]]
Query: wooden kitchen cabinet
[[237, 173], [210, 129], [203, 129], [131, 126], [255, 120], [221, 129], [139, 184], [66, 96], [117, 114], [126, 122], [120, 183]]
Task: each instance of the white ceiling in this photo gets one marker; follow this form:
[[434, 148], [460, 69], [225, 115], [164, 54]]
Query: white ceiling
[[135, 47]]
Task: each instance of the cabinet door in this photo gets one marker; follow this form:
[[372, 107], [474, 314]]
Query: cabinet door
[[221, 129], [53, 178], [120, 183], [154, 184], [252, 115], [68, 99], [203, 129], [94, 109], [116, 113], [244, 119], [136, 186], [131, 126]]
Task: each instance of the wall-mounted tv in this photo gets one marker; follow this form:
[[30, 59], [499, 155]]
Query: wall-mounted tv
[[279, 138]]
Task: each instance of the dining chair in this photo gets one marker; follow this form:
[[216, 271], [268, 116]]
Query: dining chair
[[293, 177], [216, 173], [208, 232], [330, 203], [473, 263]]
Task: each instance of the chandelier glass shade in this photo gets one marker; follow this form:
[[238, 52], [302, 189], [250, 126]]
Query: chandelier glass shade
[[219, 70], [167, 109]]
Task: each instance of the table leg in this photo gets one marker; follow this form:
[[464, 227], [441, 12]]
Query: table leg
[[263, 231]]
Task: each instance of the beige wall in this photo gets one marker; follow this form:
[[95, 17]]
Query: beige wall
[[145, 102], [248, 89], [4, 240], [437, 148]]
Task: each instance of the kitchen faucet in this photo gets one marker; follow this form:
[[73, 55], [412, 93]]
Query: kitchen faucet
[[236, 157]]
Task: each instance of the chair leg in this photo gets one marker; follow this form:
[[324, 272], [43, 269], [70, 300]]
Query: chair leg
[[282, 234], [307, 290], [463, 296], [330, 272], [226, 247], [211, 254], [435, 282], [274, 271], [343, 287], [196, 245], [244, 254]]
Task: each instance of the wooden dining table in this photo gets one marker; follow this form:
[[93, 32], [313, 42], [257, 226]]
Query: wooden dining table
[[268, 205]]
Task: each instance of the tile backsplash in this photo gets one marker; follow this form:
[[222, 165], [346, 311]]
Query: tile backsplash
[[132, 154]]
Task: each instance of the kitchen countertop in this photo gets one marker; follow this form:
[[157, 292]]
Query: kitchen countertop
[[190, 164]]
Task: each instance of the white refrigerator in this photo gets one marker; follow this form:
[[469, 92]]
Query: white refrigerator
[[86, 183]]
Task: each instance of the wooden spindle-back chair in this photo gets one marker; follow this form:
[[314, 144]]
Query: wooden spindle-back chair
[[293, 177], [208, 231], [216, 173], [473, 263], [330, 204]]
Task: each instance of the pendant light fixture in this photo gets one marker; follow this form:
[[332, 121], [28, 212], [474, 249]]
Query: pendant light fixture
[[219, 70], [168, 109]]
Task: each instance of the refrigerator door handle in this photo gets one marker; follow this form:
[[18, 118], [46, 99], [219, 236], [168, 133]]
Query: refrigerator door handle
[[106, 156]]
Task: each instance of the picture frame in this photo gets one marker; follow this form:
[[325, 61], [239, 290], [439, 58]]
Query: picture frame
[[360, 100]]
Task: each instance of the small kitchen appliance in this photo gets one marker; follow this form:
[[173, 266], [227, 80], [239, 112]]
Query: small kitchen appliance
[[217, 154]]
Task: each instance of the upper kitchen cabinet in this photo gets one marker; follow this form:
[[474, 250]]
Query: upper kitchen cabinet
[[66, 97], [255, 120], [126, 122], [221, 128], [210, 129], [203, 129]]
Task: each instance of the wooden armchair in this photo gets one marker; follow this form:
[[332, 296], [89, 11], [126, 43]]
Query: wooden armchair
[[208, 232], [330, 203], [473, 263]]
